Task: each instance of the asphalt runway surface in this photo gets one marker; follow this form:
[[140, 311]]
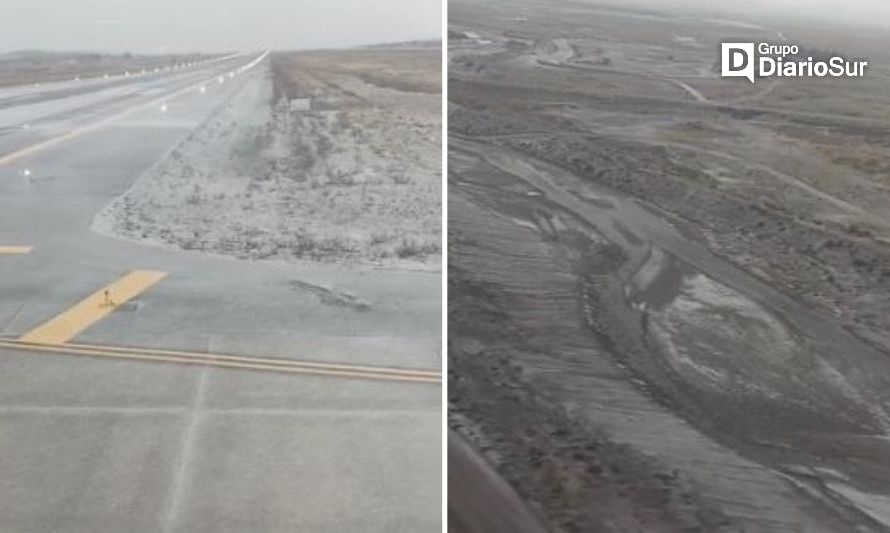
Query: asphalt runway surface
[[217, 395]]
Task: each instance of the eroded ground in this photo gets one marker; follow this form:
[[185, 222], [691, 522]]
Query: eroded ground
[[668, 291]]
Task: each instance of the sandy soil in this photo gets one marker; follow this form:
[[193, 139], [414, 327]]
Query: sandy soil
[[349, 172]]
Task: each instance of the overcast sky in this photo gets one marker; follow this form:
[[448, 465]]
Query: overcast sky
[[212, 25], [870, 12]]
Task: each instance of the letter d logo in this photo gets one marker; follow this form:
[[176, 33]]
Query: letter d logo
[[737, 60]]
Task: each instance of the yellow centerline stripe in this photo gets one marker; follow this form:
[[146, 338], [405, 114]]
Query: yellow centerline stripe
[[15, 250], [212, 361], [95, 307], [262, 360], [77, 132]]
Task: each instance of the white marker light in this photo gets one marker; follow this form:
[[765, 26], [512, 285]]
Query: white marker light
[[164, 107], [203, 89], [26, 173], [220, 79]]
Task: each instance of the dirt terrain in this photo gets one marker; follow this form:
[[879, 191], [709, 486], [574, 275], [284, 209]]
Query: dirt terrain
[[668, 291], [330, 156]]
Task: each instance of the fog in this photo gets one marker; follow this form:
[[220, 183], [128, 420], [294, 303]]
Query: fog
[[158, 26], [867, 12]]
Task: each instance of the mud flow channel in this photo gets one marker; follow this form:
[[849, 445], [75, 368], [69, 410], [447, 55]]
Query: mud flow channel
[[746, 365]]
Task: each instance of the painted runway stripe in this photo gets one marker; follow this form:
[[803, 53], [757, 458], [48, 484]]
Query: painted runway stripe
[[281, 366], [94, 308], [15, 250], [77, 132], [263, 360]]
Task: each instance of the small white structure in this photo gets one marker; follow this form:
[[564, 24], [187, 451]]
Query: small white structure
[[300, 104]]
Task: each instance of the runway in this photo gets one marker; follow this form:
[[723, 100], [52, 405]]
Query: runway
[[152, 389]]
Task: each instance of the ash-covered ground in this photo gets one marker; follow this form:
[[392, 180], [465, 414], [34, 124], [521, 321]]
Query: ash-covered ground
[[326, 156], [668, 291]]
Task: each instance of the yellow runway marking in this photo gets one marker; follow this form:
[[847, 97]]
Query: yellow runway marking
[[77, 132], [100, 304], [15, 250], [234, 362], [262, 360]]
